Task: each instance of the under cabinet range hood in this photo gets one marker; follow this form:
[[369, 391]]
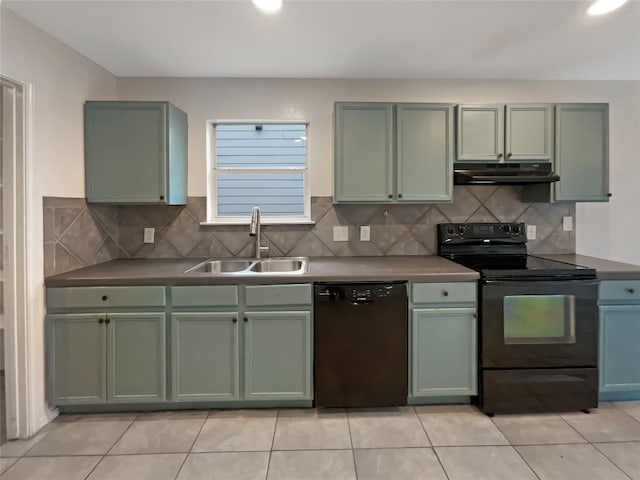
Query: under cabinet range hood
[[503, 173]]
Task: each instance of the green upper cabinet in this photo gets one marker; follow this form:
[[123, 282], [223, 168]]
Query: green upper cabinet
[[136, 353], [582, 152], [388, 153], [363, 152], [496, 133], [277, 352], [135, 152], [424, 153], [77, 366]]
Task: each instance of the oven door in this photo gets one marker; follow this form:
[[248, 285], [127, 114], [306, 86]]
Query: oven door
[[537, 324]]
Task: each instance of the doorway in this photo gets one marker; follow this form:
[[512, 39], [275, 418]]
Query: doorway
[[12, 151]]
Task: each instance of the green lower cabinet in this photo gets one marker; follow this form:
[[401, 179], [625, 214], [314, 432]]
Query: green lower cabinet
[[277, 355], [77, 346], [137, 356], [620, 349], [443, 352], [204, 356]]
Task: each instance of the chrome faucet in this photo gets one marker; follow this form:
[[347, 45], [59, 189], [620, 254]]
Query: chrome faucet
[[254, 231]]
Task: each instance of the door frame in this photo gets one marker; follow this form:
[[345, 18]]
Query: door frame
[[18, 311]]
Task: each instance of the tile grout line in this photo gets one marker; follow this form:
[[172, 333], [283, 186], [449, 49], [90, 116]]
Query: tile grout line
[[353, 451], [574, 428], [431, 443], [516, 450], [195, 439], [110, 448], [273, 438], [614, 463]]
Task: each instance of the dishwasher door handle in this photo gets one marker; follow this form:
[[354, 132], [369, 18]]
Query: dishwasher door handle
[[361, 301]]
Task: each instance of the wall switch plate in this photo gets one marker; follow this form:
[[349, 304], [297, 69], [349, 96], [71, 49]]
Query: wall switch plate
[[149, 235], [365, 233], [340, 234], [531, 232], [567, 224]]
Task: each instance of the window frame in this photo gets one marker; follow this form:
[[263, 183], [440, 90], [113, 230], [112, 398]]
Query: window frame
[[213, 218]]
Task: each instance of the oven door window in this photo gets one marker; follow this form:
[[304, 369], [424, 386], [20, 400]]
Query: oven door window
[[539, 319]]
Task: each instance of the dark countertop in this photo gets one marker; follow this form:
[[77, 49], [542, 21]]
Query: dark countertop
[[339, 269], [607, 269]]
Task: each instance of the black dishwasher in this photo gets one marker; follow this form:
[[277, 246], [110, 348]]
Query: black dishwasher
[[360, 344]]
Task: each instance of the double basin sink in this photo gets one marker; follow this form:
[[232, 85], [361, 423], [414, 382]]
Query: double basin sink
[[260, 266]]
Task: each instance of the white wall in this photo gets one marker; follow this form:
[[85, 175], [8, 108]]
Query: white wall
[[606, 230], [60, 80]]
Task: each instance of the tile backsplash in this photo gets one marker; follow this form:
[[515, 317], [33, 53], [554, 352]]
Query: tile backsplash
[[77, 234]]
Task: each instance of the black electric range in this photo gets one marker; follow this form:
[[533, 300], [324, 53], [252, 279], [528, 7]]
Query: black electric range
[[538, 321]]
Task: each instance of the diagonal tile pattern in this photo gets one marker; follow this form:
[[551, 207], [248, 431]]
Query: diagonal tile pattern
[[319, 444], [77, 234]]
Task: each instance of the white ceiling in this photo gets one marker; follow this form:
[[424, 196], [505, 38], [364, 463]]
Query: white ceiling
[[518, 39]]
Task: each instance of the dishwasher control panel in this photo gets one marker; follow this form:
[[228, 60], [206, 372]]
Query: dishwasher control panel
[[359, 293]]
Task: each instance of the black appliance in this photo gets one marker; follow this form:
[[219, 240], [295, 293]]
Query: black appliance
[[538, 321], [360, 344], [503, 173]]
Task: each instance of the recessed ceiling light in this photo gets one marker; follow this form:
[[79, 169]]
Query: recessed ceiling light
[[600, 7], [268, 6]]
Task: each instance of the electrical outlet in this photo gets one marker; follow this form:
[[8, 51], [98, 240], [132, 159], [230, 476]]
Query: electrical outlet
[[365, 233], [149, 235], [567, 224], [531, 232], [340, 234]]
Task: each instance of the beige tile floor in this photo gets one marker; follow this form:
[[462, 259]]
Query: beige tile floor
[[454, 442]]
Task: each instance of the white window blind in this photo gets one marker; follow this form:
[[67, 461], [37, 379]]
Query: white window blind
[[263, 165]]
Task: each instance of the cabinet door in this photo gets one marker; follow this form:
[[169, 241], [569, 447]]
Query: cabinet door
[[582, 152], [204, 356], [125, 151], [529, 132], [277, 347], [620, 348], [136, 353], [443, 357], [480, 133], [76, 353], [424, 136], [363, 152]]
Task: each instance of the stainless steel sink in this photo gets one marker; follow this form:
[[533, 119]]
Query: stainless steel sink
[[239, 267], [221, 266], [280, 265]]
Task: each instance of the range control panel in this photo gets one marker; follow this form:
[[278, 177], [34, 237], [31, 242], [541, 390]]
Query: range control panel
[[450, 232]]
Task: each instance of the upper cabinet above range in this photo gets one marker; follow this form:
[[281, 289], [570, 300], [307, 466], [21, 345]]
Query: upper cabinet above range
[[498, 133], [393, 153], [135, 152]]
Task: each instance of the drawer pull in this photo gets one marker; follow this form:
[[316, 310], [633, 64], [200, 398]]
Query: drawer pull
[[107, 321], [631, 290], [246, 319], [105, 298], [234, 320], [101, 321], [445, 293]]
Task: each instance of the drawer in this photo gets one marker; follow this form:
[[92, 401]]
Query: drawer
[[105, 297], [443, 292], [620, 291], [279, 295], [205, 296]]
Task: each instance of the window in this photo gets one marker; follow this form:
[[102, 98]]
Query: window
[[533, 319], [263, 164]]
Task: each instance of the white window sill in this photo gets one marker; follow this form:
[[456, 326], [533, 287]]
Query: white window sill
[[263, 221]]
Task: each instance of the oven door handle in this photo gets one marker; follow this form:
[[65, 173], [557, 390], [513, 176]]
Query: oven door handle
[[546, 281]]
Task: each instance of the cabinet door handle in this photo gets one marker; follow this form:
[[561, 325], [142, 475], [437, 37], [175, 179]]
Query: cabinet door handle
[[246, 319], [101, 321], [161, 197], [234, 320], [107, 321], [499, 155], [475, 315], [631, 290], [399, 195], [609, 195], [390, 196], [105, 298], [445, 293], [509, 154]]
